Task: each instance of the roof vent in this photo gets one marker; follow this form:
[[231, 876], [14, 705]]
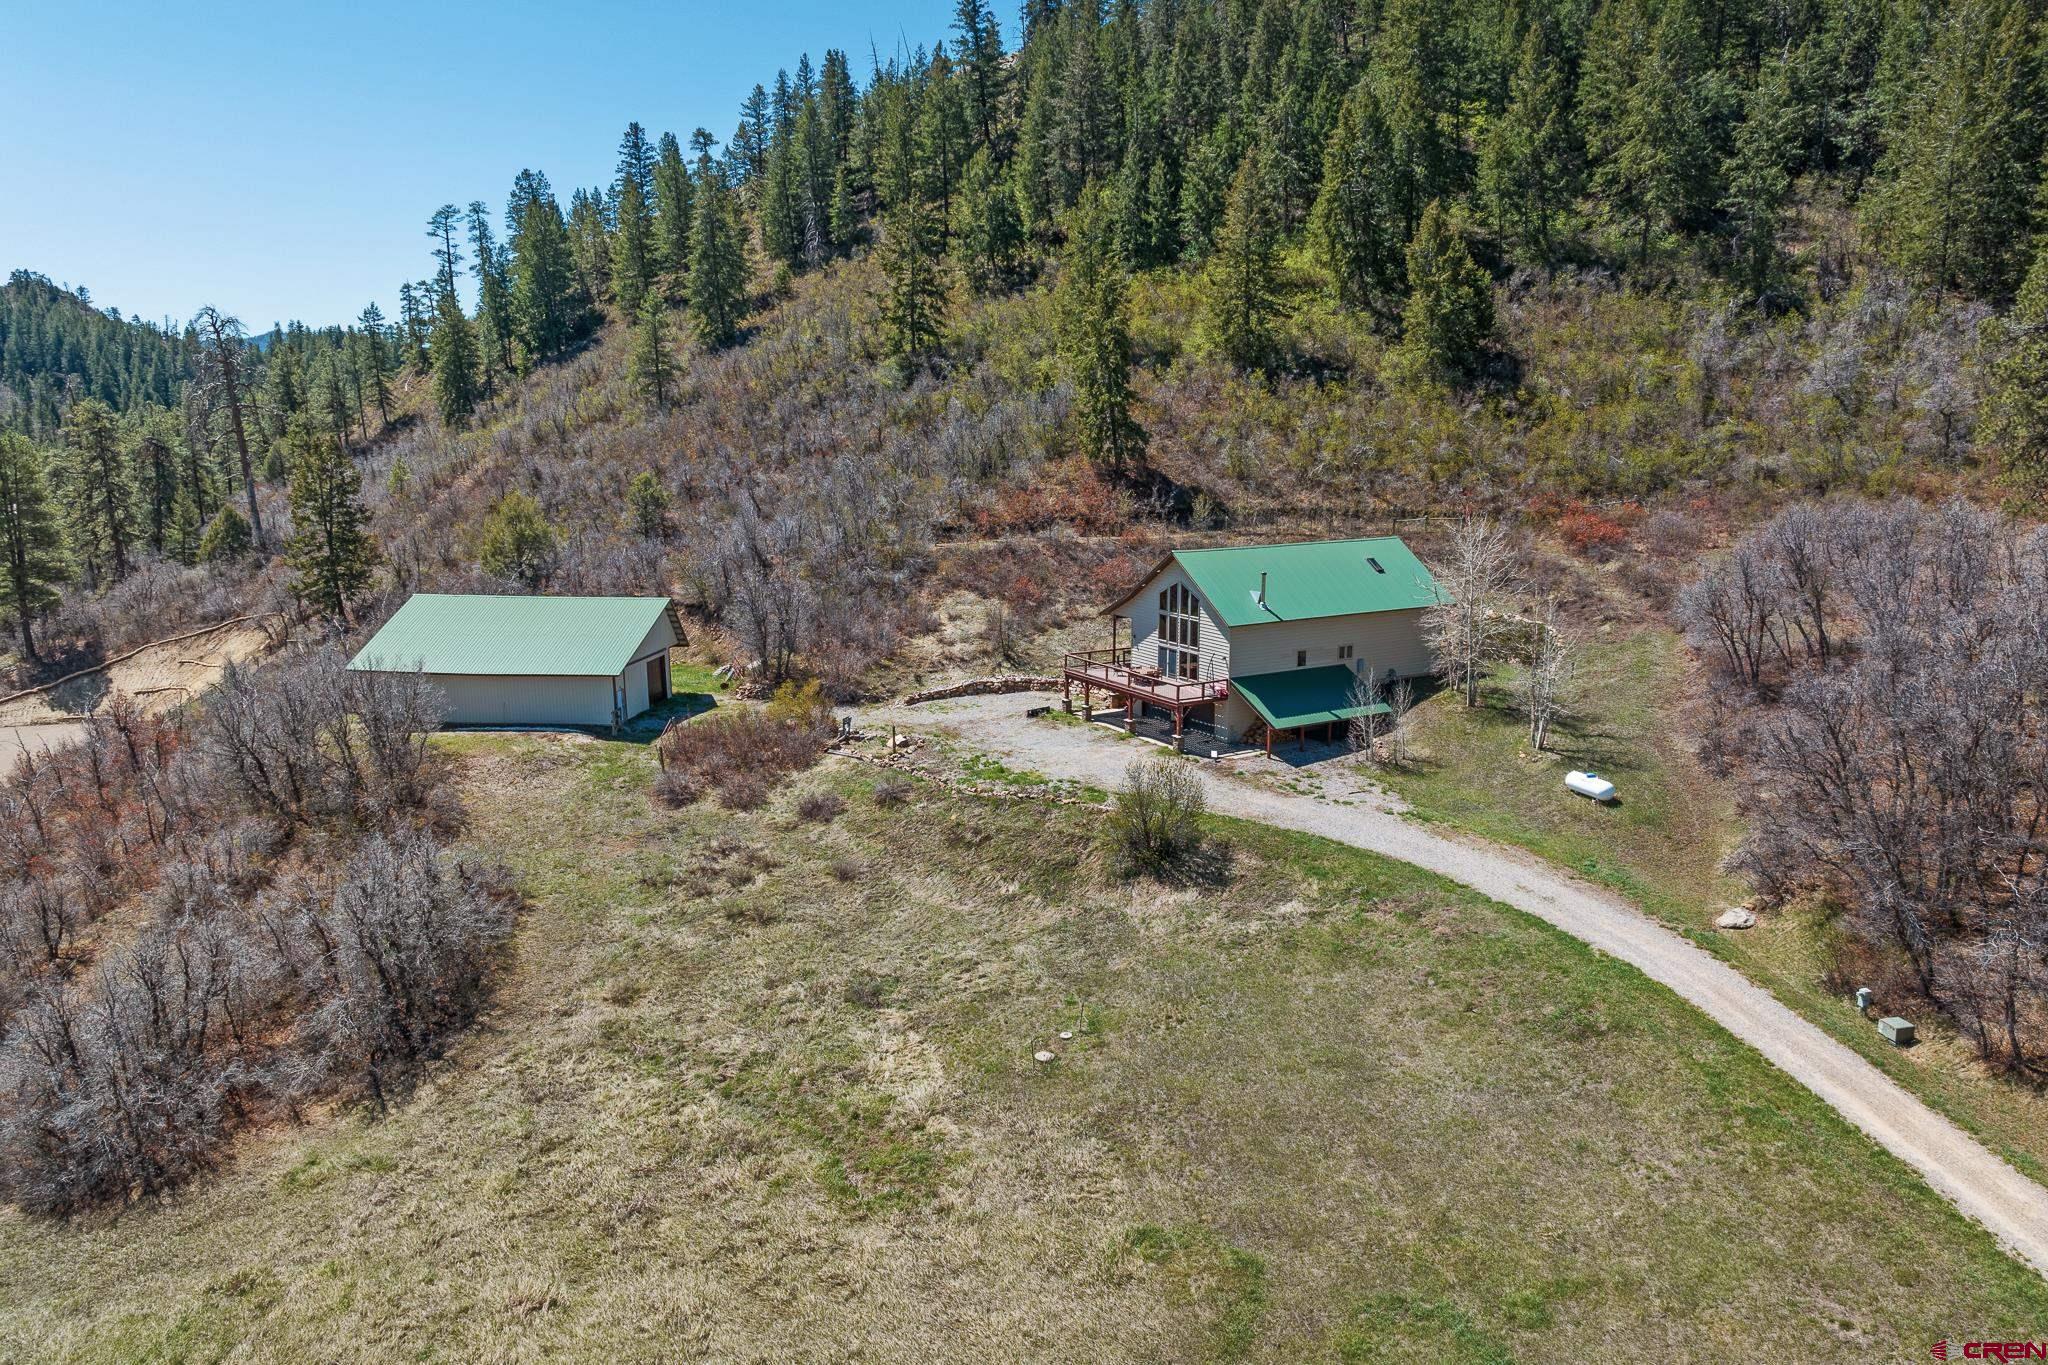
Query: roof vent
[[1261, 598], [1377, 567]]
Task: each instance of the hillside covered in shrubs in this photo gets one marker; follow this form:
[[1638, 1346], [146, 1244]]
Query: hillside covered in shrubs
[[207, 925], [1152, 266]]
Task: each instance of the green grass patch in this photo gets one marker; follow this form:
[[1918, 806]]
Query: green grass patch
[[1662, 846]]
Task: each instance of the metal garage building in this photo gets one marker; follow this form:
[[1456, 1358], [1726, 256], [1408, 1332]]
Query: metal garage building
[[532, 660]]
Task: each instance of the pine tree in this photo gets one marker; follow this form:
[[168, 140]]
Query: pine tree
[[1093, 323], [649, 501], [1296, 125], [1645, 129], [1759, 181], [181, 535], [31, 541], [1355, 223], [226, 538], [334, 401], [1526, 165], [1953, 203], [2017, 406], [285, 386], [1450, 304], [495, 324], [412, 317], [547, 303], [673, 207], [985, 227], [750, 141], [98, 492], [331, 554], [943, 137], [1415, 79], [634, 247], [1240, 287], [376, 350], [914, 289], [399, 481], [781, 231], [978, 51], [718, 260], [590, 243], [456, 385], [153, 453], [517, 542], [441, 228], [220, 342], [651, 368]]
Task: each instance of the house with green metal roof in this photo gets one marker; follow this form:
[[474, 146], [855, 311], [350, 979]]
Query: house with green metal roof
[[596, 661], [1253, 641]]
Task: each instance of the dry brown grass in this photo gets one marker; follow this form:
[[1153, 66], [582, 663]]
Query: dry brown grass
[[732, 1106]]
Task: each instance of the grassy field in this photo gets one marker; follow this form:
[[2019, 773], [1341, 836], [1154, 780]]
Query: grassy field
[[1662, 846], [762, 1090]]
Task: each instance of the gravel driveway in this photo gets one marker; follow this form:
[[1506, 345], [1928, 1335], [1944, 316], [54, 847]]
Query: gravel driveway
[[1982, 1185]]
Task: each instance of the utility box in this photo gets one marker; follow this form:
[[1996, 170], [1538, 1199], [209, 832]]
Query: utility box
[[1863, 997], [1896, 1031]]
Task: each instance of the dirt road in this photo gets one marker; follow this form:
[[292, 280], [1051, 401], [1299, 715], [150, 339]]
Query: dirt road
[[158, 677], [1984, 1187]]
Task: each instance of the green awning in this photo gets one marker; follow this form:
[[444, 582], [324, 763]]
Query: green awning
[[1295, 697]]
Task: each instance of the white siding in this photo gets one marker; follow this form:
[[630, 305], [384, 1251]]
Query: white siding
[[660, 636], [1214, 650], [1380, 640], [659, 639], [514, 700]]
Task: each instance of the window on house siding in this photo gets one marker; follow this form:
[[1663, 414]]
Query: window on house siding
[[1180, 632], [1343, 651], [1301, 658]]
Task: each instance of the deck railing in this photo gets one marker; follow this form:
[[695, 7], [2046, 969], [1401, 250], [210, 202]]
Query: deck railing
[[1113, 669]]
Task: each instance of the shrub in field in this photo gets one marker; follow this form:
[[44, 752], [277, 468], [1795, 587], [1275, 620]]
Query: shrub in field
[[1590, 532], [676, 788], [740, 755], [820, 808], [1154, 825], [891, 790]]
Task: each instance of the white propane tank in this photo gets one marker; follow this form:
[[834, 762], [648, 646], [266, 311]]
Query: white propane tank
[[1590, 785]]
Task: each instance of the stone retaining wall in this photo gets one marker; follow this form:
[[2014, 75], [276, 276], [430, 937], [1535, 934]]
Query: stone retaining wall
[[986, 687]]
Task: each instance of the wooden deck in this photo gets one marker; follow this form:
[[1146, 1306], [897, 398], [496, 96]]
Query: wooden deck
[[1111, 670]]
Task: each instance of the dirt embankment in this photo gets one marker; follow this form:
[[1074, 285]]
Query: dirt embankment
[[157, 676]]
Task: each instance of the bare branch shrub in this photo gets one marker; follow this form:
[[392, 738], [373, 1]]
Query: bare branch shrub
[[741, 755]]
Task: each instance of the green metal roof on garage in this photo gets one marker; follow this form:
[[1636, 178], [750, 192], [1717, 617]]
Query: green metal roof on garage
[[1294, 697], [1306, 580], [477, 635]]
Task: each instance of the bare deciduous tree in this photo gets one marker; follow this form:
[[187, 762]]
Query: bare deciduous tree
[[1901, 768], [1547, 675], [1474, 583]]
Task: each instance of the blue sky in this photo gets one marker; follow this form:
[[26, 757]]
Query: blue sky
[[279, 160]]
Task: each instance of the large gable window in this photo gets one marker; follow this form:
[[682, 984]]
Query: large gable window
[[1180, 632]]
